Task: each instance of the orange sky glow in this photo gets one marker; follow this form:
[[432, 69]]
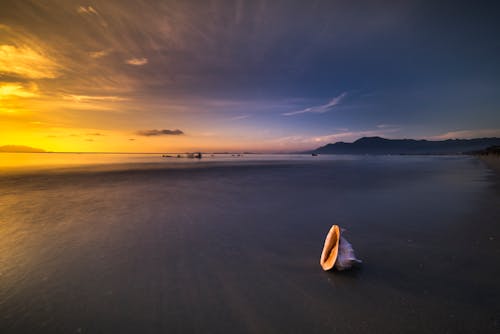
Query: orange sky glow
[[70, 93]]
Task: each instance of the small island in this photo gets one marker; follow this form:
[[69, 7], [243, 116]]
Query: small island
[[20, 149]]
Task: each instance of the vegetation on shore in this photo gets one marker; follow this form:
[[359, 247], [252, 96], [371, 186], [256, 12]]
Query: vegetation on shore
[[489, 151]]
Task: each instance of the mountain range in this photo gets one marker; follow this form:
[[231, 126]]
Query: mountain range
[[378, 145]]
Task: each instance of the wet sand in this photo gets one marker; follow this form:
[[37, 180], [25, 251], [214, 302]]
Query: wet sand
[[229, 247], [492, 161]]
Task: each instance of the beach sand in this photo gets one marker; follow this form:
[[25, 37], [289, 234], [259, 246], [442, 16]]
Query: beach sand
[[213, 248], [492, 161]]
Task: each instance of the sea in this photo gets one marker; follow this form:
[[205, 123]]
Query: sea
[[141, 243]]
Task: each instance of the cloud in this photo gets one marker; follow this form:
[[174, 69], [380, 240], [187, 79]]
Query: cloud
[[319, 109], [137, 61], [237, 118], [88, 98], [164, 132], [5, 27], [352, 135], [99, 54], [25, 62], [16, 90], [83, 133], [315, 141], [386, 126], [87, 10], [467, 134]]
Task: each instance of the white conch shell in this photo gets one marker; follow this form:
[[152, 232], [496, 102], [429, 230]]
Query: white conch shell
[[337, 251], [346, 258]]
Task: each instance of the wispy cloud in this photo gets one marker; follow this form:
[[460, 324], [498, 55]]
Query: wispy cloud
[[387, 126], [25, 62], [237, 118], [137, 61], [309, 142], [321, 108], [16, 90], [467, 134], [164, 132], [84, 134], [89, 98], [99, 54], [87, 10], [91, 11], [353, 135]]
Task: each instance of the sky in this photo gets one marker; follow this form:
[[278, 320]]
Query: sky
[[259, 75]]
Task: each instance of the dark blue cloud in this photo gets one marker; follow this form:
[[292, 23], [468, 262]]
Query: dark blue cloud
[[164, 132]]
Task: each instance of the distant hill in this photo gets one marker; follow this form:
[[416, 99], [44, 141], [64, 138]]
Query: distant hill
[[378, 145], [20, 149]]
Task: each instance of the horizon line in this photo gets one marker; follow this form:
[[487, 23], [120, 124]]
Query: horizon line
[[305, 151]]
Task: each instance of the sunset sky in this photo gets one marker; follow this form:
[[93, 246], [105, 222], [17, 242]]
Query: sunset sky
[[263, 76]]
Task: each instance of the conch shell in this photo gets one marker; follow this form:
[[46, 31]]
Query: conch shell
[[337, 251], [330, 249]]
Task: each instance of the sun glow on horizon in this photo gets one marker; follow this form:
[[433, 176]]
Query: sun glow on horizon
[[41, 108]]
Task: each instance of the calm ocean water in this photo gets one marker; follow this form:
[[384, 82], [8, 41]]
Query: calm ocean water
[[140, 243], [37, 161]]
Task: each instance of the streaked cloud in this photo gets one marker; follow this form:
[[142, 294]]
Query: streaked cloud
[[91, 11], [306, 142], [353, 135], [164, 132], [137, 61], [321, 108], [99, 54], [468, 134], [237, 118], [87, 10], [16, 97], [89, 98], [23, 61], [62, 133], [11, 90], [387, 126]]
